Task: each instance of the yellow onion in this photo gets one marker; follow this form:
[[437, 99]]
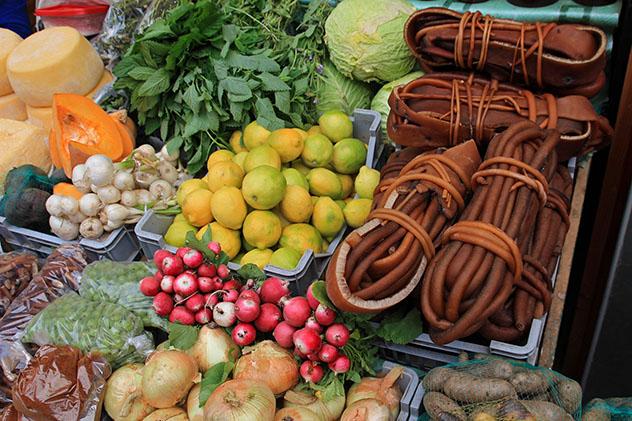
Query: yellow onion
[[123, 395], [296, 414], [167, 378], [194, 410], [384, 389], [367, 410], [270, 364], [167, 414], [327, 410], [241, 400], [213, 346]]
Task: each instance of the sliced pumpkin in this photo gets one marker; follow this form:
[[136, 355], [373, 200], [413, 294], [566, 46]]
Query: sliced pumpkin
[[129, 142], [67, 189], [52, 146]]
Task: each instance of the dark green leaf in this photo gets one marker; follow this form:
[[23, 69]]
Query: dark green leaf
[[319, 290], [182, 336], [192, 99], [213, 378], [236, 86], [229, 33], [251, 271], [157, 30], [272, 83], [174, 144], [258, 62], [141, 73], [156, 84], [282, 101], [401, 328]]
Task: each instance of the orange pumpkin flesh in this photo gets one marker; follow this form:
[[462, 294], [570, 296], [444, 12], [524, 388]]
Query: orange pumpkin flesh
[[67, 189], [127, 140], [52, 146]]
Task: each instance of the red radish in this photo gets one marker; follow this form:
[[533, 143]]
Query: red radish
[[311, 323], [211, 300], [313, 302], [312, 372], [283, 333], [250, 284], [182, 315], [273, 289], [172, 265], [246, 309], [193, 258], [215, 247], [269, 317], [159, 256], [206, 284], [313, 357], [337, 335], [185, 284], [232, 284], [224, 314], [149, 286], [195, 302], [182, 251], [296, 311], [163, 304], [204, 316], [250, 294], [231, 295], [158, 276], [324, 315], [219, 284], [299, 354], [223, 272], [166, 284], [244, 334], [328, 353], [178, 299], [340, 364], [207, 269], [307, 341]]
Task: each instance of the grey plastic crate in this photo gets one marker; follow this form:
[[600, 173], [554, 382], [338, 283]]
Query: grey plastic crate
[[120, 245], [416, 404], [366, 124], [408, 383]]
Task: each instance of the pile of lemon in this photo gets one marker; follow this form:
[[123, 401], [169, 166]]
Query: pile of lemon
[[279, 193]]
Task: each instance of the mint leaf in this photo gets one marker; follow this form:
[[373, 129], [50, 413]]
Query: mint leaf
[[399, 328], [156, 84], [213, 378], [182, 336], [251, 271], [319, 290]]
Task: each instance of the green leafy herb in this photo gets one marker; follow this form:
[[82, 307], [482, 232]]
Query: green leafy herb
[[400, 327], [202, 246], [319, 290], [251, 271], [182, 336], [214, 377]]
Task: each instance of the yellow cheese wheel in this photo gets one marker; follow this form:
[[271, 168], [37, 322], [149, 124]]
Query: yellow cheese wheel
[[8, 41], [40, 117], [12, 107], [55, 60], [105, 79], [22, 143]]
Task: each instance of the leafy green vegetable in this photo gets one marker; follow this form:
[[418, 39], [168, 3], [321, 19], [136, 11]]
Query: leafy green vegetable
[[401, 327], [337, 92], [202, 246], [251, 271], [182, 336], [213, 378], [320, 293]]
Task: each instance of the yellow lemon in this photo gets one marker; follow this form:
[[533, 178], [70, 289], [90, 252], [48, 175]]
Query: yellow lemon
[[314, 200], [347, 185], [177, 233], [179, 218], [188, 186], [327, 217], [257, 257], [349, 156], [336, 125], [239, 159], [301, 167], [341, 203], [277, 212], [357, 211], [293, 177], [287, 142], [264, 187], [318, 151], [262, 229], [296, 205], [323, 182], [224, 174], [196, 207], [366, 181], [227, 238], [302, 132], [262, 155], [255, 135], [301, 237], [228, 207], [285, 258], [314, 130], [219, 156], [236, 142]]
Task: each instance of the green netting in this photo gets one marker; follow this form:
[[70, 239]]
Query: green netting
[[611, 409], [499, 389]]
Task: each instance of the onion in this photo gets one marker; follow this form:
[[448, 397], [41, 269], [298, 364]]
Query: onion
[[124, 181], [99, 170], [213, 346], [327, 410], [90, 204], [241, 400], [385, 390], [367, 410], [109, 194], [296, 414], [270, 364], [194, 410], [80, 179], [63, 228], [91, 228], [169, 414], [167, 378], [123, 396]]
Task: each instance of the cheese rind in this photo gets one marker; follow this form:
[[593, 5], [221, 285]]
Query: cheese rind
[[12, 108], [22, 143], [55, 60], [105, 79], [8, 41], [40, 116]]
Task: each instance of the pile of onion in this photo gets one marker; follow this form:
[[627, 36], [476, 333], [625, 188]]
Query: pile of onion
[[374, 398], [167, 378], [194, 410], [213, 346], [168, 414], [123, 395], [241, 400], [267, 362], [325, 410]]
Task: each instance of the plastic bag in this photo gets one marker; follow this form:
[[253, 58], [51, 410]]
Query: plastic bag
[[157, 9], [75, 385], [16, 271], [500, 389], [91, 326], [114, 282], [611, 409]]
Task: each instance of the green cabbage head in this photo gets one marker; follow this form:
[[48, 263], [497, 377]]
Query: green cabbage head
[[380, 100], [338, 92], [366, 39]]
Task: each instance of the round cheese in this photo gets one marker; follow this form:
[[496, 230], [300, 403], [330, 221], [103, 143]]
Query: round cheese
[[55, 60], [12, 107], [22, 143], [40, 117], [8, 41], [105, 79]]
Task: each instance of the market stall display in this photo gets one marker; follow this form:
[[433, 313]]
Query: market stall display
[[16, 271]]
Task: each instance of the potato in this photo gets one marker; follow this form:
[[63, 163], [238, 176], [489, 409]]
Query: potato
[[493, 368], [434, 380], [513, 410], [570, 395], [438, 406], [546, 411], [485, 413], [464, 387], [529, 383]]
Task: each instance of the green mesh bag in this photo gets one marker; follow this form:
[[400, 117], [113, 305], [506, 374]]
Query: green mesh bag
[[115, 282], [611, 409], [496, 389], [25, 191]]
